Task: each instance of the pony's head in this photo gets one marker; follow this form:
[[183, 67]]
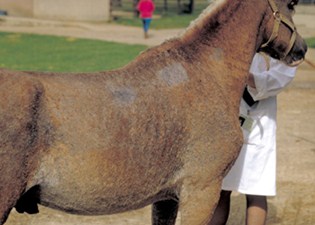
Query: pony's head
[[280, 38]]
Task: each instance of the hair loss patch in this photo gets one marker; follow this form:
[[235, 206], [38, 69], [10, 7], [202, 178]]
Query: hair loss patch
[[217, 54], [173, 75], [122, 95]]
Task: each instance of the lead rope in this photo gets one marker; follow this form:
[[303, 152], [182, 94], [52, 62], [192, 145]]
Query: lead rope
[[310, 63], [267, 60]]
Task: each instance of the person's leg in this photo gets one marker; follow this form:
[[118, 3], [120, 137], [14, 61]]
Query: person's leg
[[221, 213], [256, 213], [146, 26]]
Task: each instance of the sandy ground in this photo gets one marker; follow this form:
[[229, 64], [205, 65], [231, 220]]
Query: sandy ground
[[295, 201]]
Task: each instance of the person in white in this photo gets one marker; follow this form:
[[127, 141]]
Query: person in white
[[254, 172]]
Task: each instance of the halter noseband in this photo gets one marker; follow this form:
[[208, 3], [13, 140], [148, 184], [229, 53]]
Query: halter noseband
[[279, 18]]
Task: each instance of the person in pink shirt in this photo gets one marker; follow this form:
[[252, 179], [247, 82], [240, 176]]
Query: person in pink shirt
[[146, 9]]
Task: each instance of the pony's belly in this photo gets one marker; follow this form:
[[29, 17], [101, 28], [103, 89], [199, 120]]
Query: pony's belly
[[96, 205], [93, 183]]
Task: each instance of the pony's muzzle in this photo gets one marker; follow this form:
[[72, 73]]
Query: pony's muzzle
[[297, 54]]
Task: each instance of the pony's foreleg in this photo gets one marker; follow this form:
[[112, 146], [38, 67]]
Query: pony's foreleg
[[198, 201], [164, 212]]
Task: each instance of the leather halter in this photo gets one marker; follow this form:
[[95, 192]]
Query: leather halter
[[278, 19]]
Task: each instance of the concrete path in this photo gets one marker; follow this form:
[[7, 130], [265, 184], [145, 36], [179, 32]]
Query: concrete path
[[101, 31]]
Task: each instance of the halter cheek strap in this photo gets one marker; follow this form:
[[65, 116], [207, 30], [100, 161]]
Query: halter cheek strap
[[278, 19]]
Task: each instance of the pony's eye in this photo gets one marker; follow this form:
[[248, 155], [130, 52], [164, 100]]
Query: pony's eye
[[292, 4]]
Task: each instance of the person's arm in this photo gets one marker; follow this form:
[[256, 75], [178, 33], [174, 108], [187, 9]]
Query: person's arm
[[139, 8], [266, 83]]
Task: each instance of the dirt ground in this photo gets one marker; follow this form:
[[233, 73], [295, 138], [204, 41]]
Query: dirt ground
[[295, 200]]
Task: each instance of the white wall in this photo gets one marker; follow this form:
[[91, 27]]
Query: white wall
[[70, 10], [23, 8]]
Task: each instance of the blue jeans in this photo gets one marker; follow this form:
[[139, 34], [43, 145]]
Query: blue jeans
[[146, 24]]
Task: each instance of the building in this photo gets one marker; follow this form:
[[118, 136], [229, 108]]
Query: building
[[69, 10]]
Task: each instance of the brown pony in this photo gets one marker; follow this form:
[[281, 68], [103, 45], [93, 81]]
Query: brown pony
[[163, 127]]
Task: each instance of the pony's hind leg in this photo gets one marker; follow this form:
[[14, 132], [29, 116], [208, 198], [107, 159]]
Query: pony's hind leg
[[18, 138], [14, 169], [11, 186]]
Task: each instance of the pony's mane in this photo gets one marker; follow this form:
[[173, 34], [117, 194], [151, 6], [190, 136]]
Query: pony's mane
[[214, 7]]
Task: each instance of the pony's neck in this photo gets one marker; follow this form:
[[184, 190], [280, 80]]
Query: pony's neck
[[224, 39], [229, 26]]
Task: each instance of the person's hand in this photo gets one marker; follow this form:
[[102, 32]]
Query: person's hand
[[251, 81]]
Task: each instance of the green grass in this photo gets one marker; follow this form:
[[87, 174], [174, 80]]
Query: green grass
[[62, 54], [310, 42]]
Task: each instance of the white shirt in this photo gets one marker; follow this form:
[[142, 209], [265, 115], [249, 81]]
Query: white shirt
[[254, 171]]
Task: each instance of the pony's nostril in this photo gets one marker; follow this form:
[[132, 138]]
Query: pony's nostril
[[298, 57], [305, 48]]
